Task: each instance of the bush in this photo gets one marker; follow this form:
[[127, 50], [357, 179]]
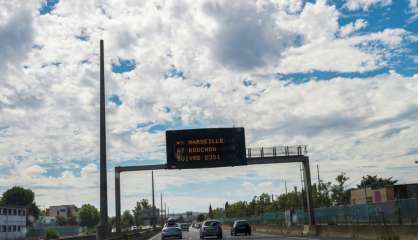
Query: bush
[[51, 234], [61, 221]]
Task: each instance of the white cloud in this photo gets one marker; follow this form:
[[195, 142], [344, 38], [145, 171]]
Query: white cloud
[[16, 36], [34, 171], [49, 109], [413, 5], [364, 5], [257, 189], [352, 27], [247, 35]]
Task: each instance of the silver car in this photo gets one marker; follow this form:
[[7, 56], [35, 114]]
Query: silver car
[[211, 228], [171, 231]]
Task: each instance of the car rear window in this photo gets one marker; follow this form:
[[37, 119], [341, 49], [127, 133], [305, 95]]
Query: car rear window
[[171, 224], [242, 223], [211, 223]]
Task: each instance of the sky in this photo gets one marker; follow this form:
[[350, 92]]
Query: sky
[[338, 76]]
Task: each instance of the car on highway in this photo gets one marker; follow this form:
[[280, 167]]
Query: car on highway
[[184, 226], [211, 228], [171, 230], [241, 227]]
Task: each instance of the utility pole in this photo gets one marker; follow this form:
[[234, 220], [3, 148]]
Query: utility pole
[[153, 200], [102, 229], [165, 210], [301, 177], [285, 186], [319, 180], [161, 209]]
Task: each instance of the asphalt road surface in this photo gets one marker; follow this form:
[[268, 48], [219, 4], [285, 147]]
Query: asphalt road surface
[[193, 234]]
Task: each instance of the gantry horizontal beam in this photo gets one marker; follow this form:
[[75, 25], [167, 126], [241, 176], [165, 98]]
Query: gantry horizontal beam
[[250, 161], [140, 168], [277, 159]]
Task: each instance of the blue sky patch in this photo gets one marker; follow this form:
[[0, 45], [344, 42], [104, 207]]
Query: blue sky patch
[[174, 73], [248, 82], [116, 100], [83, 37], [158, 128], [412, 151], [177, 123], [123, 65], [166, 109], [47, 6], [378, 18], [300, 78], [144, 125]]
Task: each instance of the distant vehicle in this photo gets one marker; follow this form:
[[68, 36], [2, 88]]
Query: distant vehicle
[[184, 226], [241, 227], [211, 228], [171, 230], [197, 225]]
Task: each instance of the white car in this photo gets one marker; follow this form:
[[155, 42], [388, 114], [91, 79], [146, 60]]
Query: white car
[[171, 230]]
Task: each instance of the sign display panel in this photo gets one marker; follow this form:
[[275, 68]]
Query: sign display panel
[[206, 147]]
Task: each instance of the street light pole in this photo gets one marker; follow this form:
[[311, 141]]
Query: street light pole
[[153, 200], [102, 229], [161, 209]]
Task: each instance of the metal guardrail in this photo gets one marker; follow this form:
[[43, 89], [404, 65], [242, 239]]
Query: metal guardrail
[[277, 151]]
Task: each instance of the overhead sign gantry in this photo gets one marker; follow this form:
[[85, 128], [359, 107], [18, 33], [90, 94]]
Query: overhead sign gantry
[[219, 147]]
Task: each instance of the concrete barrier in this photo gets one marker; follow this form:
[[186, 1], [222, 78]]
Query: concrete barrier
[[137, 235], [360, 232], [370, 232]]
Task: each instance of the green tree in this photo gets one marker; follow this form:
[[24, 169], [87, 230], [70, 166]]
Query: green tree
[[226, 209], [201, 217], [18, 196], [321, 194], [51, 234], [88, 216], [218, 213], [137, 212], [127, 219], [210, 215], [376, 182], [339, 195], [61, 221], [144, 204], [72, 220], [21, 197], [262, 203]]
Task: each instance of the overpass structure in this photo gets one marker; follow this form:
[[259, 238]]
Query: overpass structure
[[262, 155]]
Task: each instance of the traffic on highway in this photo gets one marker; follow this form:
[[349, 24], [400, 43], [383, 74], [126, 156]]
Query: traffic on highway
[[214, 229]]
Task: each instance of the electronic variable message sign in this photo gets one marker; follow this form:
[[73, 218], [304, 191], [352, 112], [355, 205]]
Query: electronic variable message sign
[[206, 147]]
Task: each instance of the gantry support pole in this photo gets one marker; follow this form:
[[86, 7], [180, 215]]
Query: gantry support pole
[[117, 199], [118, 171], [308, 191]]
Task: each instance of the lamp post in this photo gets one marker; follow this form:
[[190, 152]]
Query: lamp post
[[102, 228]]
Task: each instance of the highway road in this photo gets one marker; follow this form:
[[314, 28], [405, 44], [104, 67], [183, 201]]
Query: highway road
[[193, 234]]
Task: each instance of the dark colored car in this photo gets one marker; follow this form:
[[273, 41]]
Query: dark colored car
[[211, 228], [184, 226], [241, 227], [171, 230]]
